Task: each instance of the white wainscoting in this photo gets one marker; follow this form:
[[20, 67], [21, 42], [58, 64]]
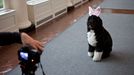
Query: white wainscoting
[[59, 7], [39, 11], [7, 21], [42, 11], [76, 3]]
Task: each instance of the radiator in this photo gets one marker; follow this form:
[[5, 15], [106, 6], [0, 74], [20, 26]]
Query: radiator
[[59, 7], [7, 21], [42, 11], [84, 1], [39, 11], [77, 2]]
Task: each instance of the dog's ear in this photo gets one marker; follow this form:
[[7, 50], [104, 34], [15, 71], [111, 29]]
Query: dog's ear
[[95, 12], [90, 11]]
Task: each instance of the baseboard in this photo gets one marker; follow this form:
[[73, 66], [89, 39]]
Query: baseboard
[[71, 8], [28, 29]]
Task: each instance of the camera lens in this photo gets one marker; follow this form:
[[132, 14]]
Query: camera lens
[[24, 55]]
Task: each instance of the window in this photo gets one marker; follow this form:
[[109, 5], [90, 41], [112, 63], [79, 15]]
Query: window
[[1, 4]]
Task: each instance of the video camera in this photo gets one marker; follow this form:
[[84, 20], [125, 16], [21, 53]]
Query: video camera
[[29, 59]]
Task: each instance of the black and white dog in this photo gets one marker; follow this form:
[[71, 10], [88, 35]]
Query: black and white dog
[[99, 39]]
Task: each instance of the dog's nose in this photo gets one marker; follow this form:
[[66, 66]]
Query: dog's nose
[[90, 27]]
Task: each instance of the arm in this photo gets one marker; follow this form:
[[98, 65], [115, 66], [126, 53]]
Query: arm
[[7, 38]]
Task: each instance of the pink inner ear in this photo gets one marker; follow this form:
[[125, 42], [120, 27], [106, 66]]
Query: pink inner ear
[[90, 11], [97, 11]]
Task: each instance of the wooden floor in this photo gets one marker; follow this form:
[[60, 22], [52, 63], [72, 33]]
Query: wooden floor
[[50, 30]]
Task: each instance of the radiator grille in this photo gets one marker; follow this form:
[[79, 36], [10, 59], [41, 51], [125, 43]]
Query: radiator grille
[[45, 20], [60, 12]]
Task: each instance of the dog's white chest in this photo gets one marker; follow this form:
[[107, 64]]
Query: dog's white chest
[[91, 38]]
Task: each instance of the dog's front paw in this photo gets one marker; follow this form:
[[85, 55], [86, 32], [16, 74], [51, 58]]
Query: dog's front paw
[[90, 54], [97, 56]]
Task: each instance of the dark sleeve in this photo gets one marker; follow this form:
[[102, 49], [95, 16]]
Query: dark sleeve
[[7, 38]]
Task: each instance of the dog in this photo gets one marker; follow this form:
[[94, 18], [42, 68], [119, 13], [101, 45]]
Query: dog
[[99, 39]]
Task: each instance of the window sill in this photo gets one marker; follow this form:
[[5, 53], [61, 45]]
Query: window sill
[[6, 12], [34, 2]]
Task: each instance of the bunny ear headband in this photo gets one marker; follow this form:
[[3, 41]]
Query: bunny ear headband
[[95, 12]]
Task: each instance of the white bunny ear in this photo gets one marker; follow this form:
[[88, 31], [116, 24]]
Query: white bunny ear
[[97, 11], [90, 11]]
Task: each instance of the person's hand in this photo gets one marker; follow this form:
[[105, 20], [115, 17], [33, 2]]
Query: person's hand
[[27, 40]]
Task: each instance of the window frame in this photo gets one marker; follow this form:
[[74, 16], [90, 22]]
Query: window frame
[[2, 4]]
